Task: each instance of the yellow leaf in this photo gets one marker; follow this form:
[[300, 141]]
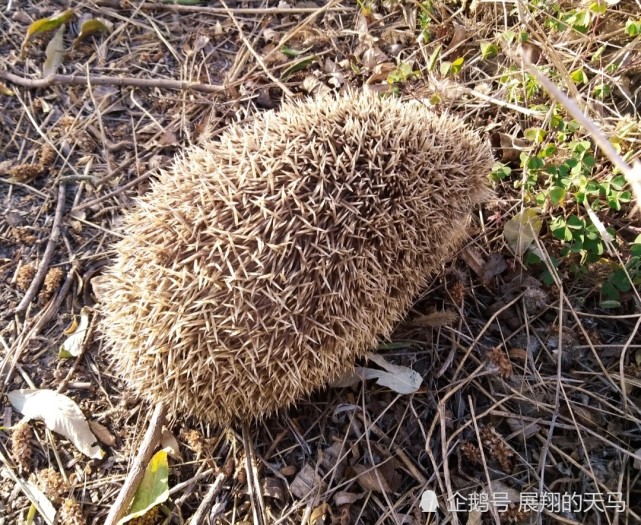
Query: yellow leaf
[[91, 27], [47, 24], [153, 489], [522, 230], [4, 90]]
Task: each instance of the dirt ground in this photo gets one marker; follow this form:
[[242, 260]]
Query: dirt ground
[[530, 407]]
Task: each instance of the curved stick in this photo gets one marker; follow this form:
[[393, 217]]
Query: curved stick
[[147, 447]]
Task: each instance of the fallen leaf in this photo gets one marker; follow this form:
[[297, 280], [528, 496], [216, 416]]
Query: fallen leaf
[[102, 433], [169, 443], [473, 259], [494, 266], [436, 319], [4, 90], [522, 230], [400, 379], [47, 24], [273, 488], [90, 27], [54, 53], [297, 66], [346, 498], [317, 516], [153, 489], [348, 379], [371, 479], [61, 415], [76, 332], [306, 481]]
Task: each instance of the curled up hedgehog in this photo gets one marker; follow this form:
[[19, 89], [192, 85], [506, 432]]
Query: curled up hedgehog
[[261, 265]]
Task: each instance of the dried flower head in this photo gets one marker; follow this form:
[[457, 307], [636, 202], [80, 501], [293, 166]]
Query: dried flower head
[[21, 444], [52, 484], [264, 263], [70, 513], [25, 275]]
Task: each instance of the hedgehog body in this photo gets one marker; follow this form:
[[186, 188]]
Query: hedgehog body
[[261, 266]]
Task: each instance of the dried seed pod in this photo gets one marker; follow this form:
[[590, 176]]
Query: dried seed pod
[[261, 265]]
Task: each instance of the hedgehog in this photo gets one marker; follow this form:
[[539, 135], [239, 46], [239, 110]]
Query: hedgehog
[[262, 264]]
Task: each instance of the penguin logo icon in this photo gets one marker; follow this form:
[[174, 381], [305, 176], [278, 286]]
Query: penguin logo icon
[[428, 501]]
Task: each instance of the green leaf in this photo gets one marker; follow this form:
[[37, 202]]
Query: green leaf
[[620, 281], [433, 58], [522, 230], [54, 53], [153, 489], [557, 195], [500, 171], [633, 28], [598, 53], [560, 230], [445, 67], [536, 135], [589, 161], [509, 36], [609, 304], [292, 53], [579, 76], [575, 223], [297, 66], [90, 27], [457, 65], [618, 182], [488, 50], [602, 90], [47, 24], [535, 163]]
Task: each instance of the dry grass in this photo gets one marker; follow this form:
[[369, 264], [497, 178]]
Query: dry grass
[[527, 387]]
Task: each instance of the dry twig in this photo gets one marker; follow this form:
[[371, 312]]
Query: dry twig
[[100, 80], [46, 258], [149, 443]]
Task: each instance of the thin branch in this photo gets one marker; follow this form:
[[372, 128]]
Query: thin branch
[[253, 482], [258, 58], [81, 80], [243, 10], [208, 500], [147, 447], [46, 258]]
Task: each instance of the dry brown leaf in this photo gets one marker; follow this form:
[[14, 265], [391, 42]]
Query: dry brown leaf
[[274, 488], [346, 498], [306, 481], [436, 319], [473, 259], [318, 514], [371, 479], [494, 266], [102, 433], [334, 458], [169, 443]]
